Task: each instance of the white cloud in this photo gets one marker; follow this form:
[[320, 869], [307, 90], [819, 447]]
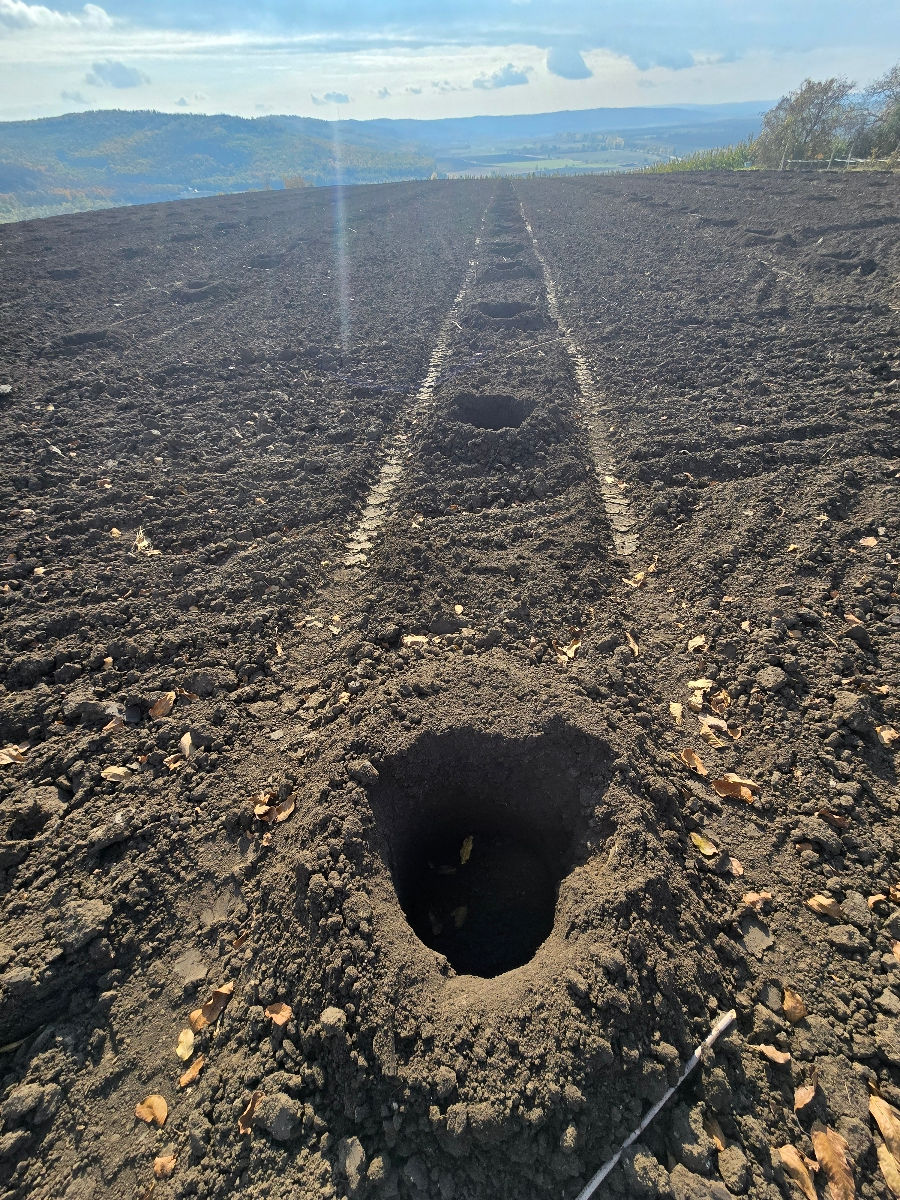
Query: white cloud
[[116, 75], [16, 14], [331, 98], [508, 76]]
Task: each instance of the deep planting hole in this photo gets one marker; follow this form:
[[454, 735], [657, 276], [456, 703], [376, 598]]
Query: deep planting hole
[[479, 830], [503, 309], [490, 411]]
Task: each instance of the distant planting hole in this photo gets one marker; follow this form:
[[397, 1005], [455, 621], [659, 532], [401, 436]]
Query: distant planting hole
[[490, 411], [503, 310], [478, 831]]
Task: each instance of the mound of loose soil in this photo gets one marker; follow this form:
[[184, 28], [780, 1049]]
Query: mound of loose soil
[[448, 639]]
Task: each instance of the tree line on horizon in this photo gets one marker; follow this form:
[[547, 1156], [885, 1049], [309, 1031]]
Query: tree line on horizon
[[823, 121]]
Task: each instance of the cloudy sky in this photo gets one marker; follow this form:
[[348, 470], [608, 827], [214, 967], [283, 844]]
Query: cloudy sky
[[422, 58]]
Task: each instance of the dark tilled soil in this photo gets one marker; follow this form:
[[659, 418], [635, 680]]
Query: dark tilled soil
[[324, 681]]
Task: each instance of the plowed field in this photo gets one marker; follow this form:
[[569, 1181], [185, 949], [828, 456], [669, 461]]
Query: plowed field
[[450, 635]]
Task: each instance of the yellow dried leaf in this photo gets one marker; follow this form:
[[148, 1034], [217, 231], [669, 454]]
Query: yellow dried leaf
[[869, 542], [116, 774], [889, 1168], [737, 867], [797, 1169], [115, 533], [887, 735], [212, 1009], [458, 609], [163, 705], [174, 761], [153, 1110], [164, 1166], [804, 1094], [714, 1129], [698, 642], [831, 1152], [780, 1057], [756, 900], [732, 787], [465, 850], [878, 898], [852, 619], [794, 1008], [245, 1120], [285, 809], [745, 625], [708, 734], [676, 711], [279, 1014], [690, 759], [192, 1072], [11, 754], [720, 702], [707, 848], [185, 1047], [186, 745], [825, 906], [633, 646], [701, 685], [888, 1120]]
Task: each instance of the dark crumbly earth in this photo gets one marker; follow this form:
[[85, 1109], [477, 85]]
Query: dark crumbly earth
[[356, 559]]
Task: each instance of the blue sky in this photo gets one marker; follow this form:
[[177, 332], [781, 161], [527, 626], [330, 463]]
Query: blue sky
[[407, 58]]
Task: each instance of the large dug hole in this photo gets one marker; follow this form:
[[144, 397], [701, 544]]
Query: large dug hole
[[478, 832], [490, 411]]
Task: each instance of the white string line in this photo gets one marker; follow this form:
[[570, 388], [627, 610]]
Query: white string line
[[724, 1022]]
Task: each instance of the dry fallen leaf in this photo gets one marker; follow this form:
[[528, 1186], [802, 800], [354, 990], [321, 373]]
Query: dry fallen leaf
[[797, 1169], [186, 745], [11, 754], [676, 711], [153, 1110], [804, 1094], [735, 787], [193, 1071], [825, 906], [737, 867], [774, 1055], [633, 646], [697, 642], [163, 705], [852, 619], [720, 702], [164, 1166], [279, 1013], [888, 1121], [707, 848], [115, 533], [869, 542], [887, 735], [794, 1008], [756, 900], [889, 1168], [714, 1129], [212, 1009], [185, 1047], [708, 734], [831, 1151], [116, 774], [245, 1120], [690, 759]]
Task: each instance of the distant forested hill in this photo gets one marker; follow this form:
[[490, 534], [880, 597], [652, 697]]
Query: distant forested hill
[[99, 159]]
